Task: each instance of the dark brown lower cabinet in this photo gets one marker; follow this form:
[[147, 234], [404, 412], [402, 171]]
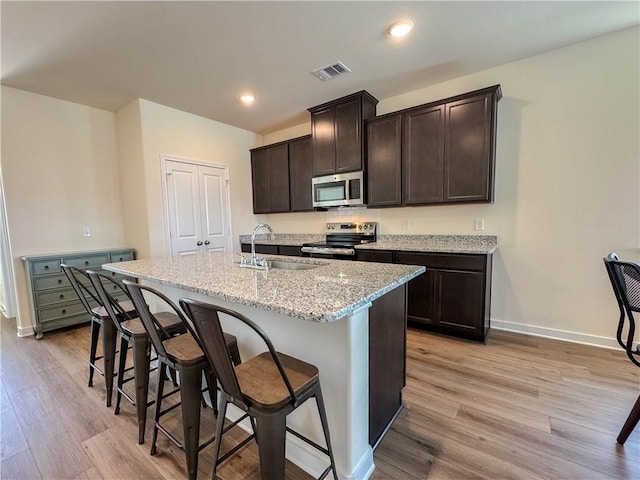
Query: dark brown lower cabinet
[[452, 297], [387, 364], [290, 250]]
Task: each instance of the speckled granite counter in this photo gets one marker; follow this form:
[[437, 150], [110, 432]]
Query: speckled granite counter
[[329, 292], [483, 244]]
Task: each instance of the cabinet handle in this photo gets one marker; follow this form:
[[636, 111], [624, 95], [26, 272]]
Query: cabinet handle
[[86, 263], [46, 267], [59, 281], [198, 243], [61, 296], [121, 259], [64, 310], [207, 242]]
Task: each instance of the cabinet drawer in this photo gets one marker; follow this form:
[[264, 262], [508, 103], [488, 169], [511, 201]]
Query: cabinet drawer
[[53, 313], [42, 267], [87, 261], [59, 296], [51, 281], [448, 261], [120, 257]]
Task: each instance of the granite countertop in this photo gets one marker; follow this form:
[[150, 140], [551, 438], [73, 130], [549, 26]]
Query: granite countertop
[[482, 244], [333, 290], [479, 244]]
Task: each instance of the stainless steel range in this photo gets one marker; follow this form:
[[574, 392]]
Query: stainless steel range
[[340, 239]]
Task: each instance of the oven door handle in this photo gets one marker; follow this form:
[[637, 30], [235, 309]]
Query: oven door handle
[[329, 251]]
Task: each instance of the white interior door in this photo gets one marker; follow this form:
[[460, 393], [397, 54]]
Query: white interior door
[[197, 207]]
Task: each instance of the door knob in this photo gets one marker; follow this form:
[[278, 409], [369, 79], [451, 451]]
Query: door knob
[[199, 243], [207, 242]]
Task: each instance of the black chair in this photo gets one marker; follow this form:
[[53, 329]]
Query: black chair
[[132, 333], [625, 280], [182, 354], [267, 387], [99, 318]]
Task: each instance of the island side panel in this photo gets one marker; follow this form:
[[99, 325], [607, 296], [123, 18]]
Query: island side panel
[[387, 360], [340, 351]]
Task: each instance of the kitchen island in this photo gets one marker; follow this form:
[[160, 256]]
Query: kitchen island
[[347, 318]]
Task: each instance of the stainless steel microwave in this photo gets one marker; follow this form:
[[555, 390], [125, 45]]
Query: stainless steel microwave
[[339, 190]]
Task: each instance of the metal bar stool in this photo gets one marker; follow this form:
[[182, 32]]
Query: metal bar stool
[[99, 318], [625, 280], [183, 354], [267, 387], [132, 333]]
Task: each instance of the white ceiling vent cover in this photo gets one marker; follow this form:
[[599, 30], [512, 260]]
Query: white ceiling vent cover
[[331, 71]]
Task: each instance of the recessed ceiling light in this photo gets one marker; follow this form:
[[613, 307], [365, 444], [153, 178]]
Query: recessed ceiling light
[[248, 99], [400, 28]]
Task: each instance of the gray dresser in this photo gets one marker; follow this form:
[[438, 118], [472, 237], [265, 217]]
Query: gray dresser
[[53, 302]]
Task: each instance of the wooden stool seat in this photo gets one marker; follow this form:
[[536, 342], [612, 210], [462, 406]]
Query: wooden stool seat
[[261, 382], [166, 319], [127, 306]]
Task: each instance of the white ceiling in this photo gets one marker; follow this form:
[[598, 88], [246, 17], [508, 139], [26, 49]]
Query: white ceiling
[[199, 56]]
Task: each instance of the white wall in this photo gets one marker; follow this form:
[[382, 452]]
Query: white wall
[[567, 185], [161, 130], [59, 175]]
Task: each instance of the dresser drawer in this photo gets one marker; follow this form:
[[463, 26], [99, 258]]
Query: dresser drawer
[[59, 296], [51, 281], [54, 313], [121, 257], [42, 267], [89, 261]]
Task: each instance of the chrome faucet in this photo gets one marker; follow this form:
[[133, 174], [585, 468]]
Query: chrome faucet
[[257, 262]]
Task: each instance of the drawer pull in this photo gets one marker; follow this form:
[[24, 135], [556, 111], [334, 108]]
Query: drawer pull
[[121, 259], [61, 296], [59, 281], [64, 311], [86, 262], [46, 267]]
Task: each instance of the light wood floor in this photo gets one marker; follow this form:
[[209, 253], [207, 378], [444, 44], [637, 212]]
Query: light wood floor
[[519, 407]]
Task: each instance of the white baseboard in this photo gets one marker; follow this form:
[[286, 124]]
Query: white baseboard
[[565, 335], [26, 331]]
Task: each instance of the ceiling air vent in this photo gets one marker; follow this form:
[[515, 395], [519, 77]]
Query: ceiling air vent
[[331, 71]]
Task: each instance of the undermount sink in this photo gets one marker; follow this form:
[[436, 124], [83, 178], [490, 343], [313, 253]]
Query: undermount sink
[[291, 265]]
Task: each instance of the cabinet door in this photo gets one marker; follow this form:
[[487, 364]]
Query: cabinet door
[[384, 179], [422, 155], [458, 300], [380, 256], [279, 178], [420, 290], [300, 174], [468, 159], [348, 136], [323, 140], [260, 181]]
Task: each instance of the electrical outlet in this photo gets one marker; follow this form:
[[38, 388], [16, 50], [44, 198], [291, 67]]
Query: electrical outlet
[[479, 224], [86, 231]]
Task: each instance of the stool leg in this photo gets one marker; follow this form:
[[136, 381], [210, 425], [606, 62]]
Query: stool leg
[[109, 354], [190, 392], [270, 433], [122, 364], [630, 424], [212, 383], [325, 428], [95, 332], [222, 411], [141, 359], [162, 371]]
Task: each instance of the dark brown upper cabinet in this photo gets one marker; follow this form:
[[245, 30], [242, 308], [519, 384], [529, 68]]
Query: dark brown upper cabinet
[[338, 135], [384, 161], [270, 178], [300, 174], [281, 176], [443, 151]]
